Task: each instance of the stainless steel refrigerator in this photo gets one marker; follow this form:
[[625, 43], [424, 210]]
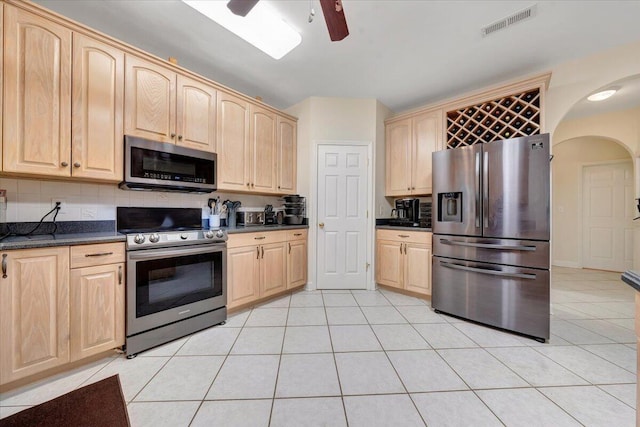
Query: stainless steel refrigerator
[[491, 234]]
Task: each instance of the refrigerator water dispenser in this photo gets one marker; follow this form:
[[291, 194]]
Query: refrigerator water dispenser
[[450, 207]]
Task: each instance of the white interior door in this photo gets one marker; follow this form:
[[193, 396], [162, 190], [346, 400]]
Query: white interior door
[[342, 217], [607, 216]]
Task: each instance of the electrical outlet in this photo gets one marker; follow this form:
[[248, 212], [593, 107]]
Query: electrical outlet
[[63, 205]]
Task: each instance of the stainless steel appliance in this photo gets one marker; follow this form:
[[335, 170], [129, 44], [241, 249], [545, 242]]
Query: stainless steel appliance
[[250, 216], [491, 234], [408, 213], [152, 165], [176, 275]]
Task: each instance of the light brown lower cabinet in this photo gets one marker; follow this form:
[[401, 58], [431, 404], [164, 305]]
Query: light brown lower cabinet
[[52, 313], [403, 260], [261, 264]]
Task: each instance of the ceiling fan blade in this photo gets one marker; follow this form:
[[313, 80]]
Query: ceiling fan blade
[[334, 16], [241, 7]]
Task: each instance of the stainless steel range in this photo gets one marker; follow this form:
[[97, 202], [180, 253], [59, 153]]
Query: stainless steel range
[[176, 275]]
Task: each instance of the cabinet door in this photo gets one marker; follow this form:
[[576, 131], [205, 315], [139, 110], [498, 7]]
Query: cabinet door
[[97, 309], [398, 152], [232, 143], [98, 92], [389, 259], [426, 139], [273, 269], [417, 268], [286, 138], [263, 144], [34, 312], [243, 275], [37, 95], [297, 263], [196, 115], [149, 100]]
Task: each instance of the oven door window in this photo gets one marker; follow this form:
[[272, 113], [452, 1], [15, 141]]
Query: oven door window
[[163, 284]]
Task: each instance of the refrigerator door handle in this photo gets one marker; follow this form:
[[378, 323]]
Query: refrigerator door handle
[[478, 190], [485, 189], [488, 245], [486, 271]]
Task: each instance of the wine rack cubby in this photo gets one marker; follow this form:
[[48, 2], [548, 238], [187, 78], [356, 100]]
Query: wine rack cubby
[[507, 117]]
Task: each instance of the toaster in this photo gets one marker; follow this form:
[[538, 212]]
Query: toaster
[[250, 216]]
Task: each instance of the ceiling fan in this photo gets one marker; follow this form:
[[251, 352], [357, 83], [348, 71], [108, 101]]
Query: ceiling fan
[[332, 10]]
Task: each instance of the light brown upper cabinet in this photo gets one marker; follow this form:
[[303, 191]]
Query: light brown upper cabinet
[[98, 91], [37, 95], [74, 95], [164, 106], [262, 131], [286, 152], [409, 144], [234, 153]]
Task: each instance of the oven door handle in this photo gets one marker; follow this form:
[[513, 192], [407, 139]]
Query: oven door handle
[[487, 271], [171, 252]]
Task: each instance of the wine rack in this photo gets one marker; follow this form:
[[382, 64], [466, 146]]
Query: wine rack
[[507, 117]]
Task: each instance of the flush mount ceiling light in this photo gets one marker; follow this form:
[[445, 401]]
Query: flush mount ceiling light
[[262, 28], [602, 95]]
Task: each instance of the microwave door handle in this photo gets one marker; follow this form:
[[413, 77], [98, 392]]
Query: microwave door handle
[[485, 187], [477, 190], [489, 246], [487, 271], [170, 252]]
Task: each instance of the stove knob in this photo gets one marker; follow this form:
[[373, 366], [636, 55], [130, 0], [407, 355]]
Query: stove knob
[[154, 238], [139, 238], [208, 234], [219, 234], [184, 236]]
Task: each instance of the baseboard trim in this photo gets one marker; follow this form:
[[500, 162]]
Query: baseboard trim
[[569, 264]]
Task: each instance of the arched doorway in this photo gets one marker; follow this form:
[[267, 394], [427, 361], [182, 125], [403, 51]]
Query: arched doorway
[[592, 180]]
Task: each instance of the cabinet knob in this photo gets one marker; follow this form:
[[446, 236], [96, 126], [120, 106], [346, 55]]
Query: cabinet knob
[[179, 137], [408, 188], [173, 135], [64, 164], [413, 188], [248, 185], [76, 165]]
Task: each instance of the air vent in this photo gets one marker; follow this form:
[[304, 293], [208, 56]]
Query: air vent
[[520, 16]]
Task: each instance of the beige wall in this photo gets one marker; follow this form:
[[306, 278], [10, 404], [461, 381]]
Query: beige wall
[[569, 158], [344, 120]]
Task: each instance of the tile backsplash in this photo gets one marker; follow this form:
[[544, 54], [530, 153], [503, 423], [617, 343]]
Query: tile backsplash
[[29, 199]]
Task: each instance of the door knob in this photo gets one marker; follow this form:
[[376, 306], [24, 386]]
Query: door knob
[[321, 225]]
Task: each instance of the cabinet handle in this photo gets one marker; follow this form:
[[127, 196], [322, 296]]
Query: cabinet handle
[[98, 254], [413, 188], [289, 247], [258, 249], [76, 165], [173, 135], [179, 137], [64, 164], [401, 248], [408, 188], [404, 236], [260, 238], [405, 248], [297, 234], [4, 266], [248, 185], [119, 275], [262, 252], [278, 187]]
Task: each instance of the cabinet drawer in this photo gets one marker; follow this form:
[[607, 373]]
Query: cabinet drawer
[[258, 238], [97, 254], [405, 236], [298, 234]]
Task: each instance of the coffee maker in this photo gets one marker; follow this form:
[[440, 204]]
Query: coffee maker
[[408, 213]]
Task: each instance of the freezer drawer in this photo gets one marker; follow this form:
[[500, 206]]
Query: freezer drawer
[[512, 298], [525, 253]]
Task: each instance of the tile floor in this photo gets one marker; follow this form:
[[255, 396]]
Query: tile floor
[[359, 358]]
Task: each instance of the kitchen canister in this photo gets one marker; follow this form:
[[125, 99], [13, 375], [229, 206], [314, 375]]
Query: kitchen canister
[[214, 221]]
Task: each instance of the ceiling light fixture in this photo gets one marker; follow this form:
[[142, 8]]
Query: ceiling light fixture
[[263, 27], [602, 95]]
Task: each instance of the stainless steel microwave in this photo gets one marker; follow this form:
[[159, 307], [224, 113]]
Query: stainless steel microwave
[[152, 165]]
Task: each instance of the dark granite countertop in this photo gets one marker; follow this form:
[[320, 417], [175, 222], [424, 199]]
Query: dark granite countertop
[[632, 279], [393, 227], [60, 239], [260, 228]]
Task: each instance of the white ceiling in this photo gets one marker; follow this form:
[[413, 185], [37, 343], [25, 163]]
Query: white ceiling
[[403, 53]]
